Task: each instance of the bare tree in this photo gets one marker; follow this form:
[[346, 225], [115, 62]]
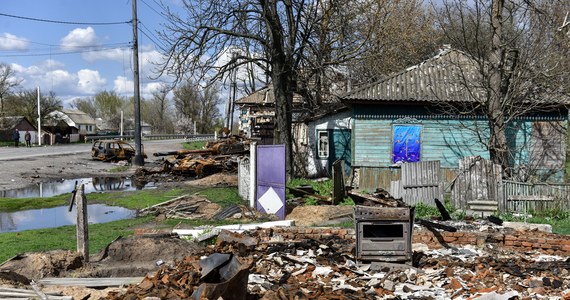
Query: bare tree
[[25, 103], [273, 35], [7, 83], [195, 105], [158, 111], [518, 57], [86, 105]]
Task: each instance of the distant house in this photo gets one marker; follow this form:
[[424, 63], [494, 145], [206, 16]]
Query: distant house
[[257, 114], [70, 123], [399, 119], [9, 124]]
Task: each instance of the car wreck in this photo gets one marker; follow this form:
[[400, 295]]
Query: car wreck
[[112, 150]]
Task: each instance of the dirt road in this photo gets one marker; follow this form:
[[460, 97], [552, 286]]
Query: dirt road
[[20, 172]]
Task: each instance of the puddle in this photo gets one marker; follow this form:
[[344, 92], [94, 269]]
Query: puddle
[[58, 187], [60, 216]]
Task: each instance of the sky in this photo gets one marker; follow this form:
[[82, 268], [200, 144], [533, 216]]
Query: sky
[[72, 54]]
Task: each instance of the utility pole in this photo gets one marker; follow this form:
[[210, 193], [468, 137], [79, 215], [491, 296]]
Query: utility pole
[[39, 120], [138, 159]]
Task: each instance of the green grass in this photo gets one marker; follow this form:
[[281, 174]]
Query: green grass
[[119, 169], [194, 145], [100, 235], [223, 196]]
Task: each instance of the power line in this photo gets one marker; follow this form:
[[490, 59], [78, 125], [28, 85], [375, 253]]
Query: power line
[[64, 53], [142, 30], [65, 22]]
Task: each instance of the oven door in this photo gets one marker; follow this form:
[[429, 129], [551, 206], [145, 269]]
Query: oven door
[[383, 239]]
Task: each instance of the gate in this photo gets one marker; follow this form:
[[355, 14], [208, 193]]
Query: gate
[[270, 185], [478, 182]]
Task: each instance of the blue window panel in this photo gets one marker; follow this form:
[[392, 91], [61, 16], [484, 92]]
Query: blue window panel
[[406, 147]]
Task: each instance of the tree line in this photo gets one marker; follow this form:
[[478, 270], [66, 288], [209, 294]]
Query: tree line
[[190, 108]]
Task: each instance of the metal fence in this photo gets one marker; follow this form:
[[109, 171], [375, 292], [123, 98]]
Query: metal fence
[[188, 137]]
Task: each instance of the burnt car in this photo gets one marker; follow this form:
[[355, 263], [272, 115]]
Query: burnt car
[[112, 150]]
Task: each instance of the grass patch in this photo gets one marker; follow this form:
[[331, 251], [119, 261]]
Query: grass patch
[[17, 204], [100, 235], [118, 169], [223, 196], [194, 145]]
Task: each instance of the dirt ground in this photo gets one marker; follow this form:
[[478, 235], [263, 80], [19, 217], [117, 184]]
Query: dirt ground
[[134, 256]]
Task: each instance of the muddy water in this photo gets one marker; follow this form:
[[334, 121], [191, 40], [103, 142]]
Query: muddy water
[[60, 216], [58, 187]]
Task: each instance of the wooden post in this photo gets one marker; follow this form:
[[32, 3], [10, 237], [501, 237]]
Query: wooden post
[[339, 190], [82, 228]]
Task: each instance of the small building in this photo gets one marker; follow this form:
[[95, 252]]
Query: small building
[[322, 139], [20, 123], [257, 114], [68, 125], [402, 118]]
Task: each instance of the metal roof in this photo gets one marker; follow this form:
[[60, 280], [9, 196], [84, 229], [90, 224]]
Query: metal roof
[[450, 76], [264, 96]]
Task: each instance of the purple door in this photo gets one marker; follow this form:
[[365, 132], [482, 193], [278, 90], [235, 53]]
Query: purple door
[[270, 185]]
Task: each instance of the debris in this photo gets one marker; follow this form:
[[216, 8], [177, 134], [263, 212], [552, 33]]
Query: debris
[[495, 220], [444, 214], [380, 197], [432, 225]]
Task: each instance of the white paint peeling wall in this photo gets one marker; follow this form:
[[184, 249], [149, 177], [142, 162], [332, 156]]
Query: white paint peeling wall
[[316, 166]]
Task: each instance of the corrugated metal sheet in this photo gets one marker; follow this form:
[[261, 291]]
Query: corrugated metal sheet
[[450, 76], [264, 96]]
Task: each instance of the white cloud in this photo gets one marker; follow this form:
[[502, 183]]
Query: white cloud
[[122, 86], [79, 38], [11, 42], [90, 81]]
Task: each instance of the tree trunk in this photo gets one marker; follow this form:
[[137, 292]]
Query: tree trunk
[[281, 81], [498, 147]]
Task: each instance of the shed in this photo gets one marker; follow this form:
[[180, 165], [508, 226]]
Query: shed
[[9, 123], [400, 119], [322, 139]]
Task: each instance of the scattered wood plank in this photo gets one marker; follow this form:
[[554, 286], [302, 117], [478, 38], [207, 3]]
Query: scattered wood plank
[[91, 282]]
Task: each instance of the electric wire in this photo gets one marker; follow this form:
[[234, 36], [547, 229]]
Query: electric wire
[[65, 22], [63, 53]]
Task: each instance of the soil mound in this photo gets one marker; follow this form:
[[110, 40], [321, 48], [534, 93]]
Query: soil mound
[[318, 215]]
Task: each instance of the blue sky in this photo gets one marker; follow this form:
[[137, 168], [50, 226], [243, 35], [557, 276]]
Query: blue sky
[[80, 60]]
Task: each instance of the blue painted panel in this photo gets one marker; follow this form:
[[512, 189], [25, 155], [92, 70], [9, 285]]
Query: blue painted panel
[[406, 141]]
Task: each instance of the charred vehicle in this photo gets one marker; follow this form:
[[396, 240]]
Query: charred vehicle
[[112, 150]]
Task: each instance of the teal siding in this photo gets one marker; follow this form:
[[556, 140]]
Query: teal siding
[[442, 140], [340, 148], [449, 139]]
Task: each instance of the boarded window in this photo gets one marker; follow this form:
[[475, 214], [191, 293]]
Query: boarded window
[[547, 145], [406, 143]]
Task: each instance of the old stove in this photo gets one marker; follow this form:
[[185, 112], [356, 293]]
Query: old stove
[[383, 233]]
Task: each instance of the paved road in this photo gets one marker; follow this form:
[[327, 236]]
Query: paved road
[[13, 153], [22, 166]]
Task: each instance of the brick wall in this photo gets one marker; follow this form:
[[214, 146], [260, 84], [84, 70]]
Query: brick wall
[[548, 243]]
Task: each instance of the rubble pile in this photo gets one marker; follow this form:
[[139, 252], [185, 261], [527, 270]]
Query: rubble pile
[[326, 269], [217, 156]]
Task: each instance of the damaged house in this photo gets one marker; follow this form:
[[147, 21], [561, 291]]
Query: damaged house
[[408, 117]]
